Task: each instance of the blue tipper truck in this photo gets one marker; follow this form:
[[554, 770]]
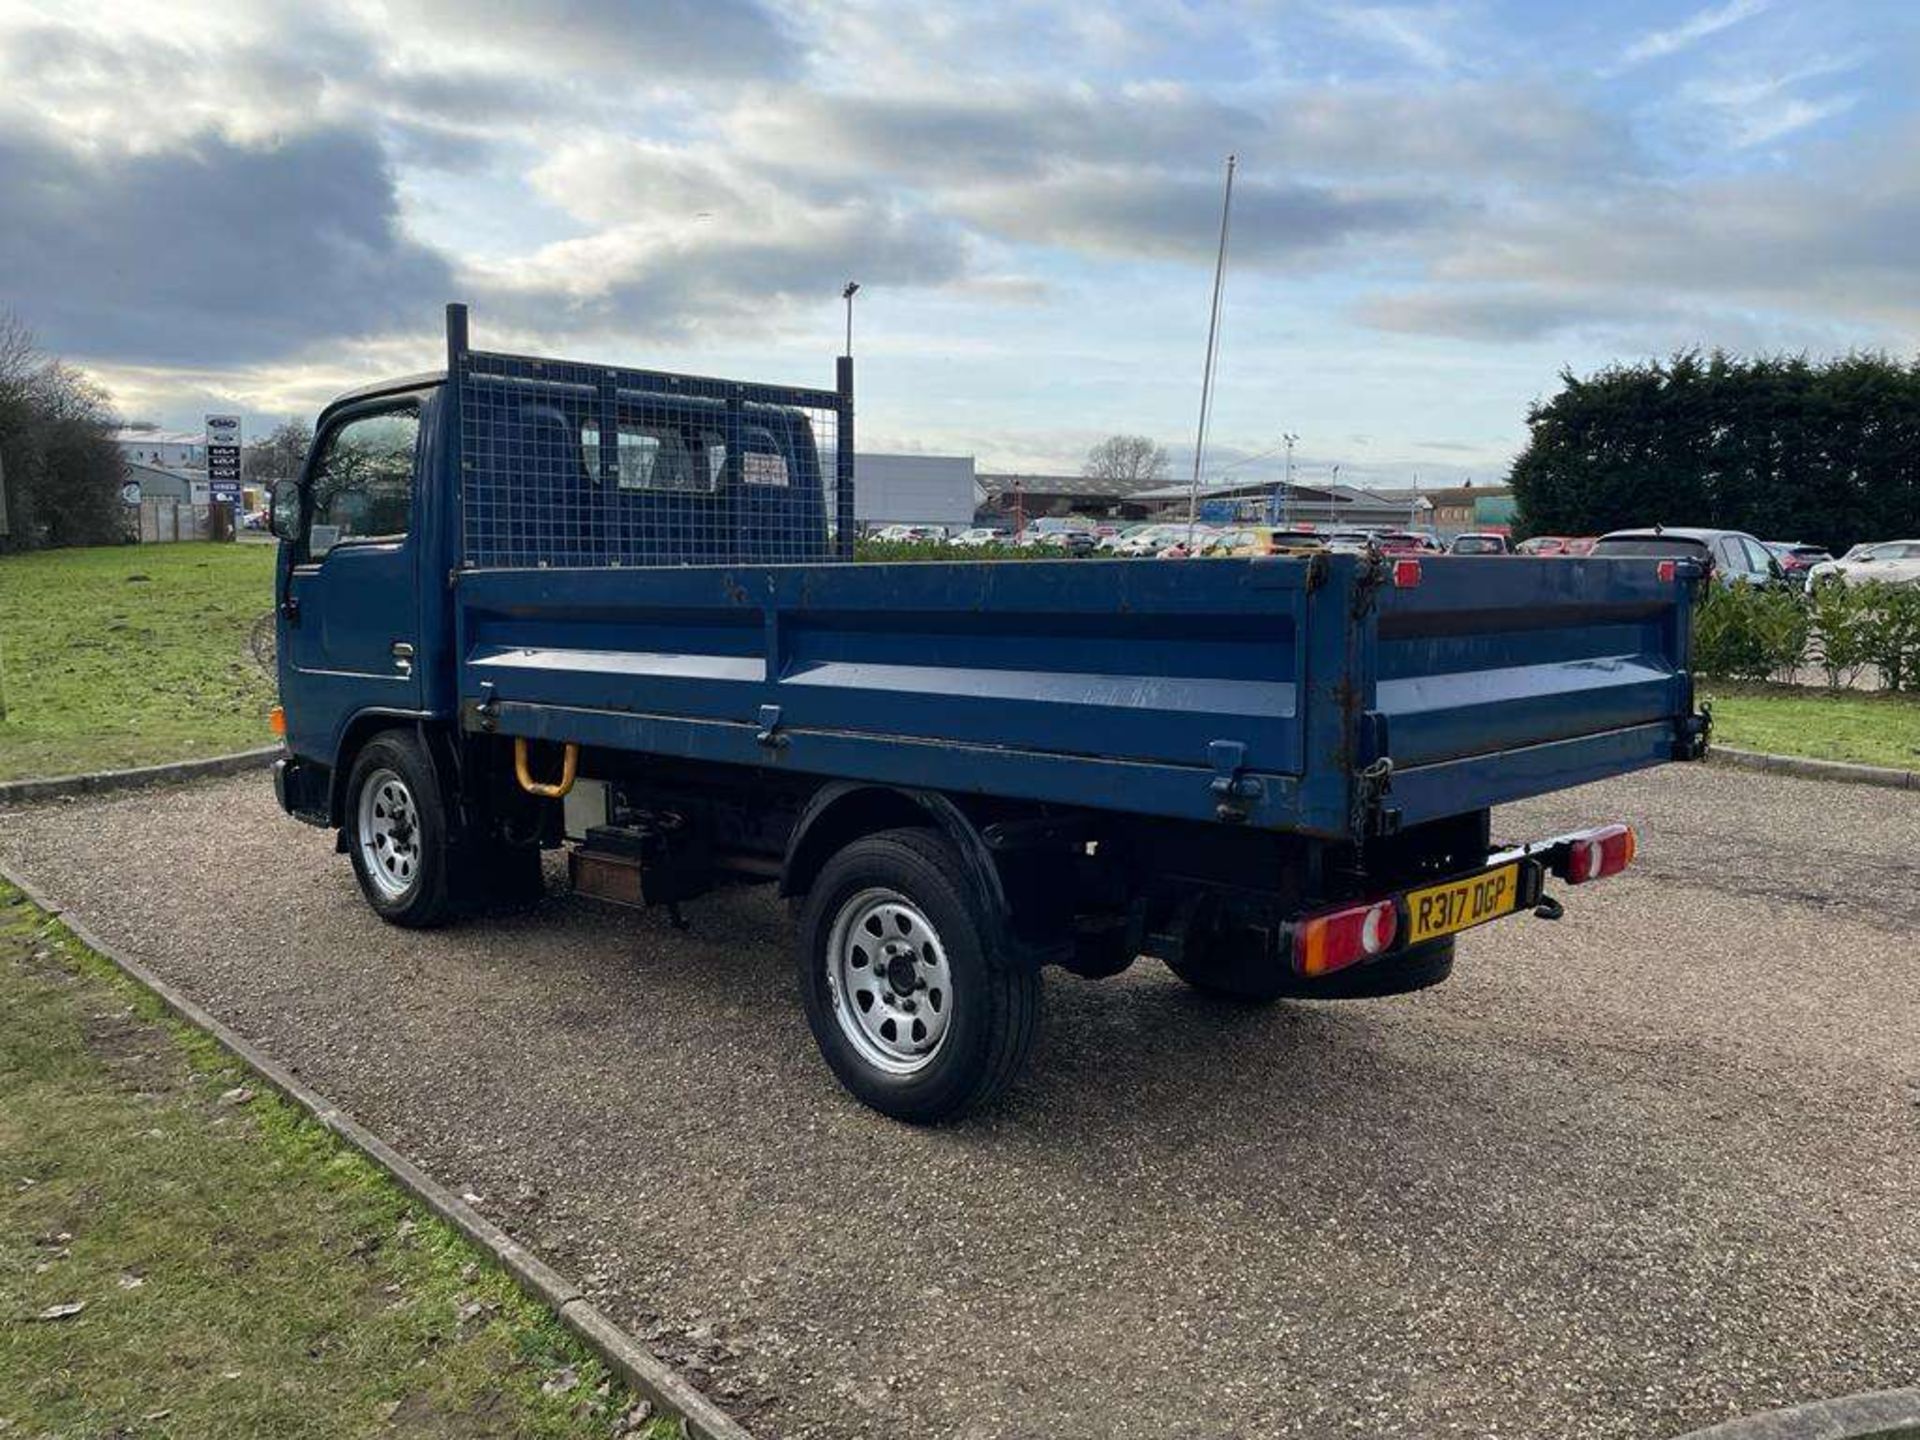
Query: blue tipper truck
[[530, 603]]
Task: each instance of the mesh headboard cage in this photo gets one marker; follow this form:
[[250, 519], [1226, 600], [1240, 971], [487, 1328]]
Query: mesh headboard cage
[[570, 464]]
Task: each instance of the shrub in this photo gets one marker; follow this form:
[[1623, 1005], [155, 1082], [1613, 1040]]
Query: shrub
[[1839, 622], [1890, 632], [1746, 634]]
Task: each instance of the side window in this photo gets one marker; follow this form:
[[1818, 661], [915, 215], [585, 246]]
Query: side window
[[363, 485], [1730, 556], [1760, 559]]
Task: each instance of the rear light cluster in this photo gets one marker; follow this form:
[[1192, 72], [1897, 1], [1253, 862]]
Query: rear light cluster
[[1339, 938], [1666, 570], [1406, 574], [1596, 854]]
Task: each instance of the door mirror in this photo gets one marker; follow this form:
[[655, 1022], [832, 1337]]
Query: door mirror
[[283, 509]]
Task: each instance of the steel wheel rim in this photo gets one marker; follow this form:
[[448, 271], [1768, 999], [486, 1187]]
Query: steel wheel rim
[[389, 834], [891, 988]]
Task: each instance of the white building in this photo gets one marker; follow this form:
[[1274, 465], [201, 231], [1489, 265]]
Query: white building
[[168, 449], [914, 490]]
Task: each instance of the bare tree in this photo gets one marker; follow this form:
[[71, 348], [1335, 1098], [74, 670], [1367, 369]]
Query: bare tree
[[280, 455], [56, 443], [1130, 459]]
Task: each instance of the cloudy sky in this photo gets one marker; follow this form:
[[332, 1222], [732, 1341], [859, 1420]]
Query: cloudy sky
[[256, 204]]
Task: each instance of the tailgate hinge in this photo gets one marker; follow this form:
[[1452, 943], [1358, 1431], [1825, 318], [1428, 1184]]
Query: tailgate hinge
[[770, 735], [1371, 814], [1369, 580], [1233, 792]]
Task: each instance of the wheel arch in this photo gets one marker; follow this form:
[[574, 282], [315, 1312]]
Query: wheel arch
[[363, 726], [843, 811]]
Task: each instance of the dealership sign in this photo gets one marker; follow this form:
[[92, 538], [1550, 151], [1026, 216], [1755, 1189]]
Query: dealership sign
[[223, 458]]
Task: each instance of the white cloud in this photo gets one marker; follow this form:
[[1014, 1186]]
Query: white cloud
[[1658, 44]]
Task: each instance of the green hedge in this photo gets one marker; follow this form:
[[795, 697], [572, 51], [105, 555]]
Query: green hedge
[[1746, 634]]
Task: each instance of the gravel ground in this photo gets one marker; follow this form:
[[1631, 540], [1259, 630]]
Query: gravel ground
[[1625, 1175]]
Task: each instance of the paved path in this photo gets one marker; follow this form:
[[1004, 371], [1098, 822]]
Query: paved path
[[1623, 1176]]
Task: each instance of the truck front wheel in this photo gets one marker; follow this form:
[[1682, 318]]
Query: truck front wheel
[[905, 999], [397, 831]]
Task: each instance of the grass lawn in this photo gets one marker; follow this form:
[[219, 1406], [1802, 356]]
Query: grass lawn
[[183, 1254], [131, 655], [1827, 725]]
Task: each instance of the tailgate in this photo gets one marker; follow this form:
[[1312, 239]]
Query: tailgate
[[1502, 677]]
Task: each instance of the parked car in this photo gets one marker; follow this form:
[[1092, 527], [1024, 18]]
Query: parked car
[[1480, 544], [254, 520], [1556, 545], [1176, 546], [1406, 542], [1347, 541], [1797, 560], [1728, 557], [1265, 540], [1114, 539], [1148, 539], [911, 534], [1894, 562], [1072, 537], [982, 535]]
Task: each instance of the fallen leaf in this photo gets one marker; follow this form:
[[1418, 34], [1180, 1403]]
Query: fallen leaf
[[154, 1415], [634, 1419], [132, 1282], [239, 1095], [62, 1312], [560, 1382]]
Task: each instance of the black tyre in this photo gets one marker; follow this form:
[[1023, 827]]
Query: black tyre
[[1238, 965], [904, 997], [396, 831]]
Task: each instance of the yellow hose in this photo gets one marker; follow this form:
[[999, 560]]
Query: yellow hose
[[568, 766]]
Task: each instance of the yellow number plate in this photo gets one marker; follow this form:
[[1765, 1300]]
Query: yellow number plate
[[1461, 904]]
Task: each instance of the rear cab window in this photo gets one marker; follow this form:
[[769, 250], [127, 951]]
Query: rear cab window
[[683, 459]]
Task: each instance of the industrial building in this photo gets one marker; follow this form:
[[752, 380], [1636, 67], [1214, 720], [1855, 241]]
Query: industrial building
[[168, 449], [1325, 507]]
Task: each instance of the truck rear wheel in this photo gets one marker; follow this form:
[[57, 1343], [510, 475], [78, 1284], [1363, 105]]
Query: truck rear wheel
[[1238, 966], [397, 831], [905, 999]]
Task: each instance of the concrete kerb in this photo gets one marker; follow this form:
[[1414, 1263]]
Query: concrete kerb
[[1808, 769], [59, 786], [644, 1371], [1880, 1415]]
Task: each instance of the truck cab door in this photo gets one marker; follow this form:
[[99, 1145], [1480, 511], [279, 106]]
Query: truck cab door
[[349, 605]]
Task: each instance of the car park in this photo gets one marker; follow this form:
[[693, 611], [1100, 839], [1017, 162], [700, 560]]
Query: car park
[[1480, 544], [1892, 562], [1727, 557]]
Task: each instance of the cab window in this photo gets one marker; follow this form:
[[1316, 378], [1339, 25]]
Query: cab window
[[363, 485]]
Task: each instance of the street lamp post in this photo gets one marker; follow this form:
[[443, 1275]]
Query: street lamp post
[[1286, 510]]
